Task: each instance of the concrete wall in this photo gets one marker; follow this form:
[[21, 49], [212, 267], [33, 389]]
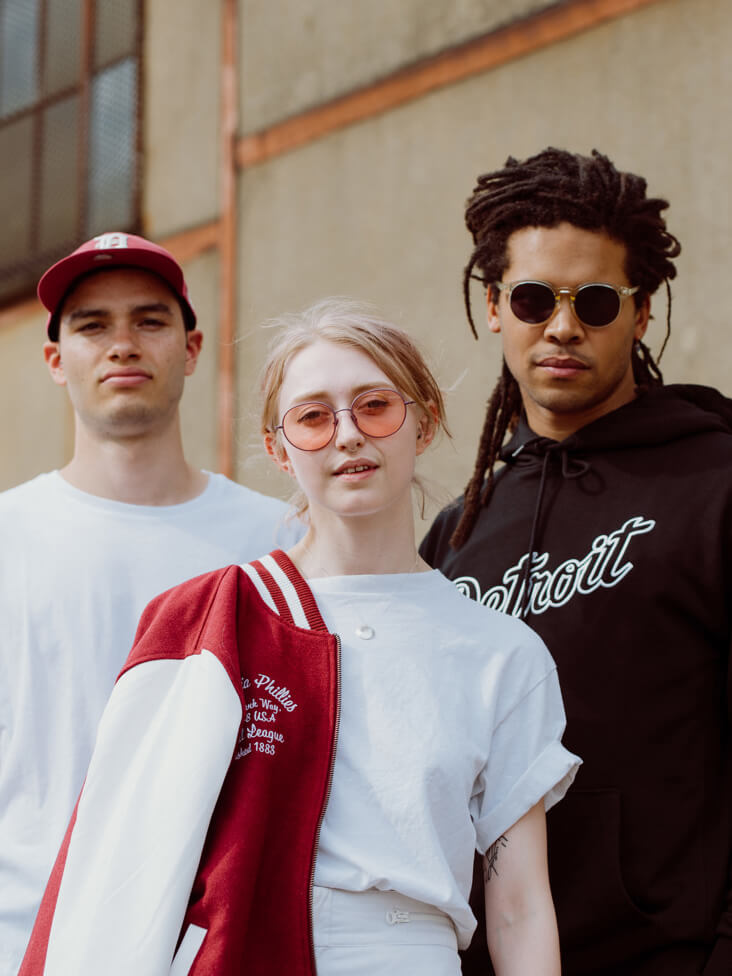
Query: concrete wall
[[199, 403], [180, 114], [36, 433], [298, 54]]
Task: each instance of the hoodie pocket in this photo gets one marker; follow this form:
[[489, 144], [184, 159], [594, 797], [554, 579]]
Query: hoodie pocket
[[187, 950], [585, 863]]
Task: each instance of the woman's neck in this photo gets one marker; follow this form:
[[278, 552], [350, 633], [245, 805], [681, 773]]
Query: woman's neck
[[357, 546]]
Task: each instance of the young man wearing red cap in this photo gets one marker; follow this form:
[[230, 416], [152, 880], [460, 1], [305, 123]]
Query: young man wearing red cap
[[85, 548]]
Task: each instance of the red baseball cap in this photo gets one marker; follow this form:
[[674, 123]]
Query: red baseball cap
[[111, 250]]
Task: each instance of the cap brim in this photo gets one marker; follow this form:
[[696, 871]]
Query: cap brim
[[56, 282]]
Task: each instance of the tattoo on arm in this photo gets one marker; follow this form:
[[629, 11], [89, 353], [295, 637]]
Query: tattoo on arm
[[491, 856]]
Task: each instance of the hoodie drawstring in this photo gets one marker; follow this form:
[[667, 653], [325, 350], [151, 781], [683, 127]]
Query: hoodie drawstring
[[571, 468]]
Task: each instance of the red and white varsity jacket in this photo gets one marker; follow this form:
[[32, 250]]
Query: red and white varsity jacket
[[193, 843]]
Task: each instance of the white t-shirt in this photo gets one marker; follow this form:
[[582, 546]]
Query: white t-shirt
[[450, 726], [76, 572]]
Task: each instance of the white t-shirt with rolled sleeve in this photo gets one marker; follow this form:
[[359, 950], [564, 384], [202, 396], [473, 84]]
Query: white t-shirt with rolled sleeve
[[450, 731]]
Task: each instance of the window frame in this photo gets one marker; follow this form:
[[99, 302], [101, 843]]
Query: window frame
[[38, 257]]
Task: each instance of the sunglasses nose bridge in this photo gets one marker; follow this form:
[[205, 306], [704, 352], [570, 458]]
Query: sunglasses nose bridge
[[563, 322], [571, 296], [557, 295], [560, 293]]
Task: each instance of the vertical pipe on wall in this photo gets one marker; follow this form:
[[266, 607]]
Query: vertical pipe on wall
[[85, 71], [40, 54], [227, 239]]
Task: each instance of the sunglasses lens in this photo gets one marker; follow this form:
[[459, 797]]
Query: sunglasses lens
[[379, 413], [308, 426], [532, 302], [597, 305]]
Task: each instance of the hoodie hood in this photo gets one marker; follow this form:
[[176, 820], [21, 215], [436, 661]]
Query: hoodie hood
[[659, 415]]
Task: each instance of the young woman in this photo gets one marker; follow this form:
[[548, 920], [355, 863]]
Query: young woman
[[302, 754]]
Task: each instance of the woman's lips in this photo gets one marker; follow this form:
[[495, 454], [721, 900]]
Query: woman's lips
[[355, 470]]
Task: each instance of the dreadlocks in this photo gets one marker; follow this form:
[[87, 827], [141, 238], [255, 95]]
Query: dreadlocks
[[545, 190]]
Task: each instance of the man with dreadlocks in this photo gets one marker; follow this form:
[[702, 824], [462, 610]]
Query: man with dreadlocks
[[609, 528]]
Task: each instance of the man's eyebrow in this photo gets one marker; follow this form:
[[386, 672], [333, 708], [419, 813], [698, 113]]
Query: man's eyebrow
[[161, 307], [88, 313]]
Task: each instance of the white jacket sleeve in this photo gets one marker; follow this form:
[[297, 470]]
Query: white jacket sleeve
[[164, 746]]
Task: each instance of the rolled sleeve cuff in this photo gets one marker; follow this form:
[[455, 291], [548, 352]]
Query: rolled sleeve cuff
[[549, 777]]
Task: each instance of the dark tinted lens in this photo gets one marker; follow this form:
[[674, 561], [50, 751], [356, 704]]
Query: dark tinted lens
[[532, 302], [597, 304]]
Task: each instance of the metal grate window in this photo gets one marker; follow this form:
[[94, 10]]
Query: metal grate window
[[69, 129]]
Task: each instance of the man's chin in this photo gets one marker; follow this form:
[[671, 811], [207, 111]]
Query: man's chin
[[564, 401], [132, 420]]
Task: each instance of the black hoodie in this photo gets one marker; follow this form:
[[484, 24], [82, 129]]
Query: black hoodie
[[631, 522]]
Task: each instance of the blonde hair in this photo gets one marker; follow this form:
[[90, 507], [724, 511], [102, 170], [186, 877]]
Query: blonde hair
[[360, 326]]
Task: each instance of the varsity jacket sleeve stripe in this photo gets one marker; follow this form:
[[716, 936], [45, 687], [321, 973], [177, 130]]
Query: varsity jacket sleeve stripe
[[283, 585], [284, 591], [298, 592], [275, 594], [260, 587], [163, 749]]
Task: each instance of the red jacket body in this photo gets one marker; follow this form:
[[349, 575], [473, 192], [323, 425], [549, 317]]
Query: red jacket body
[[193, 844]]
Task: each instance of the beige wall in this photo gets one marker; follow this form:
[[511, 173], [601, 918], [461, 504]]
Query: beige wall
[[36, 432], [295, 55], [181, 114], [375, 210], [199, 404]]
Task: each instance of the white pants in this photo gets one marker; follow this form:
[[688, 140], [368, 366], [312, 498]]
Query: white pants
[[380, 932]]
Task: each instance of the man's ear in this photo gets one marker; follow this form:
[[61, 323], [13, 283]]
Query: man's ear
[[52, 355], [194, 341], [642, 315], [276, 451], [494, 322]]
